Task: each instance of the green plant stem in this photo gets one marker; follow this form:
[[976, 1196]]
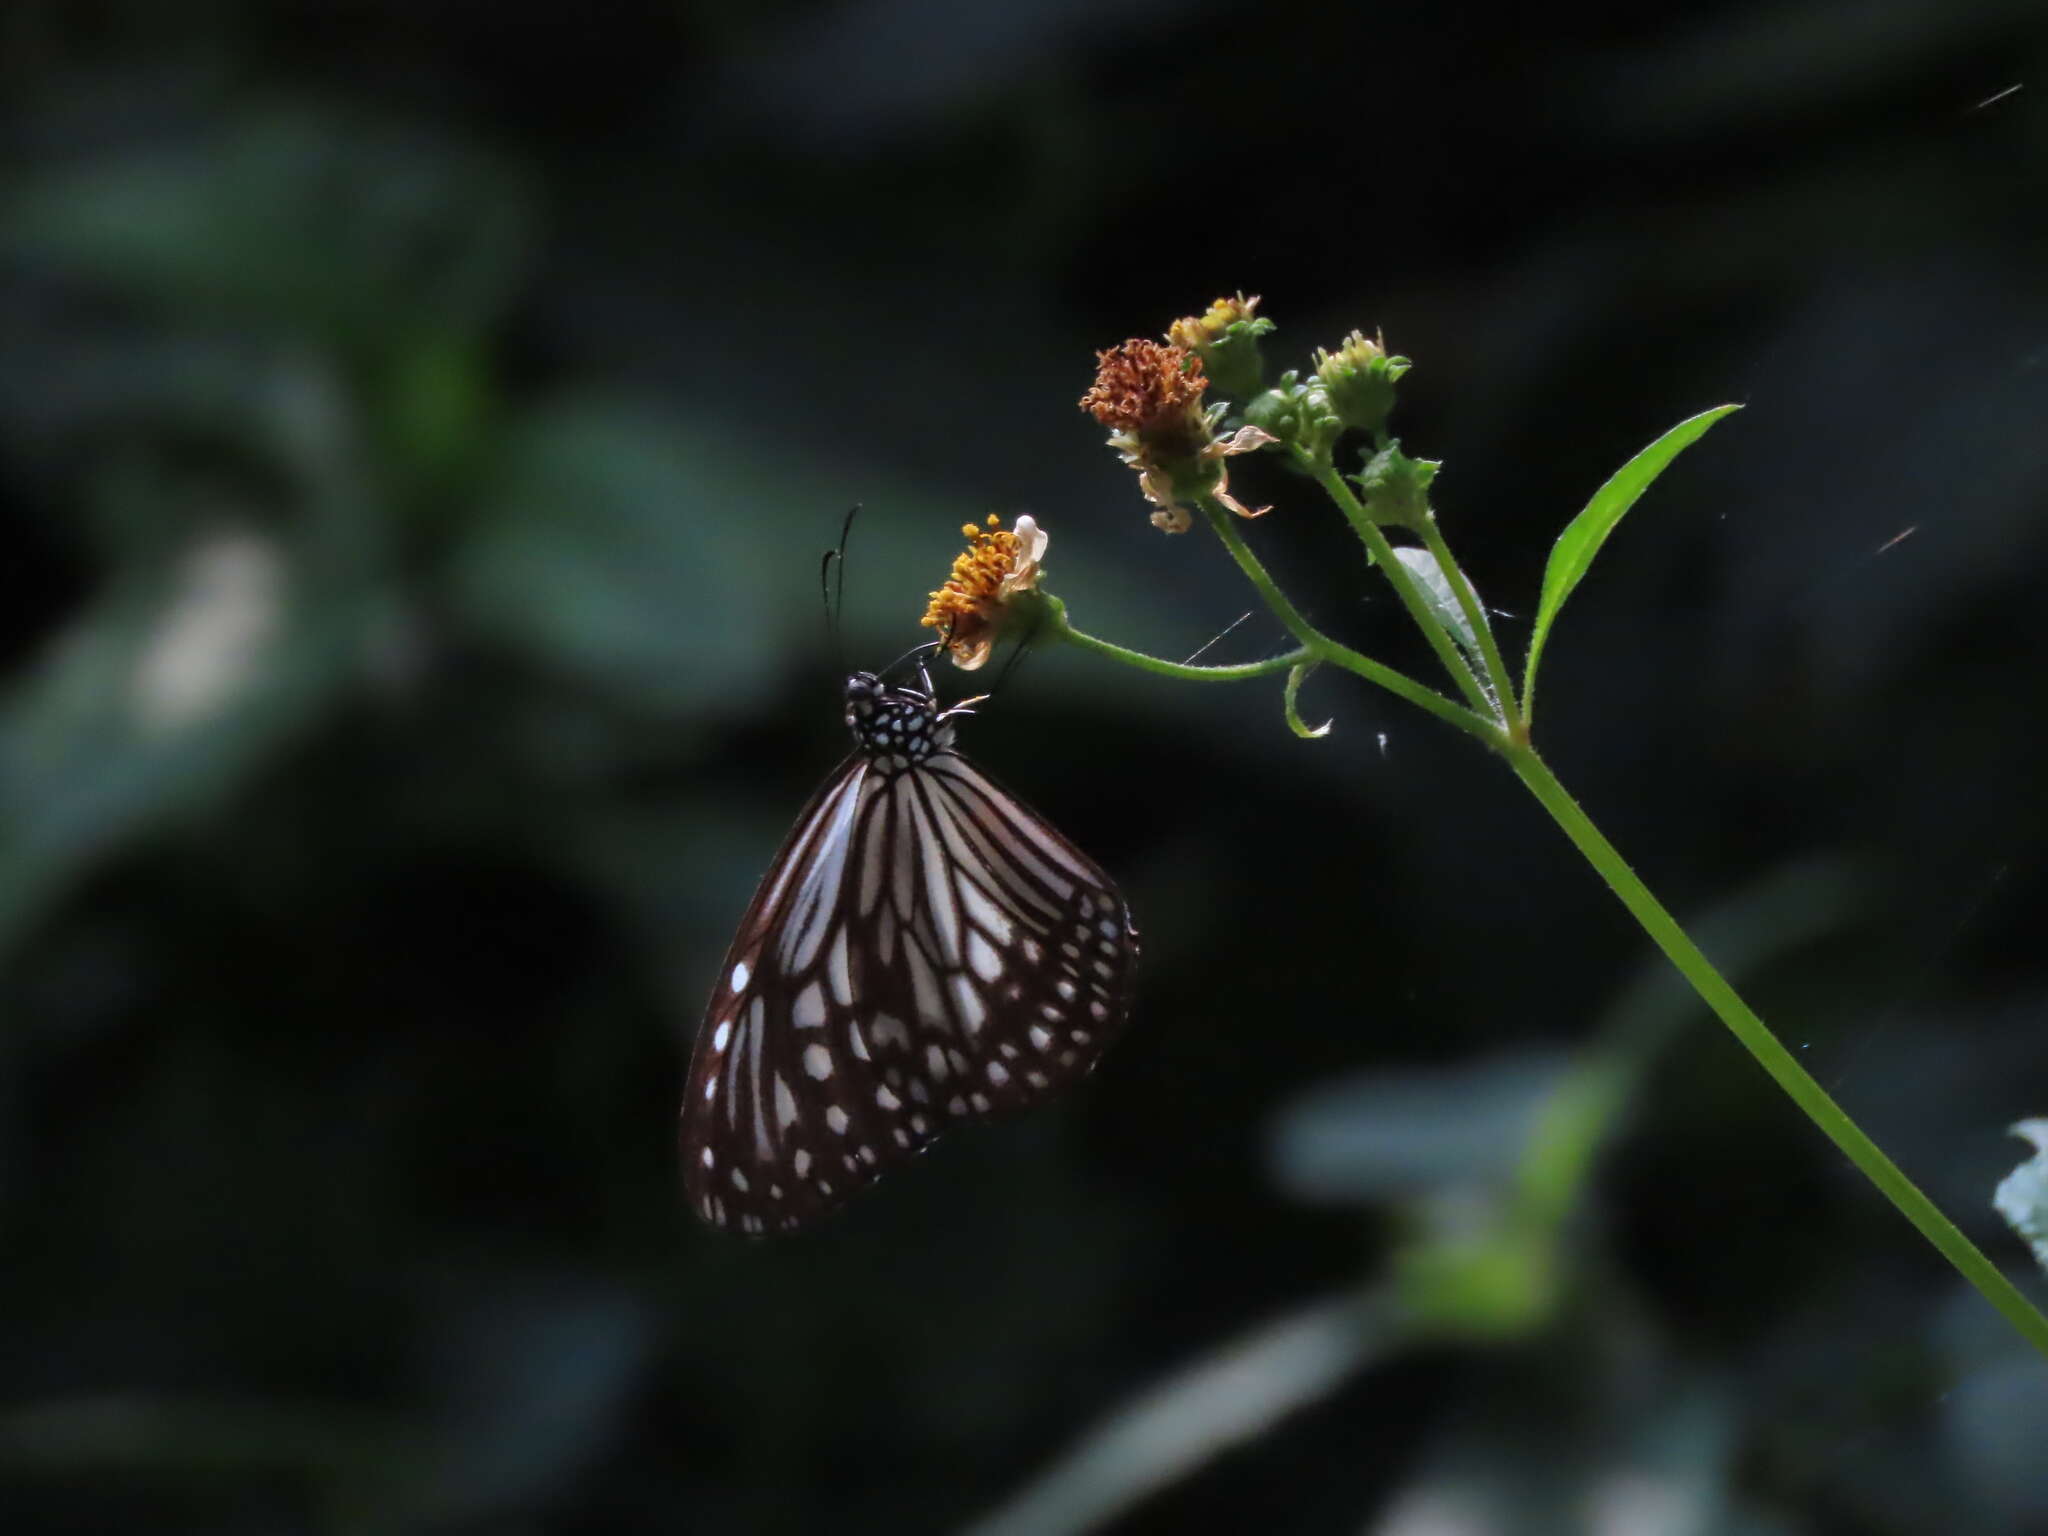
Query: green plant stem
[[1180, 669], [1470, 721], [1757, 1038], [1441, 641]]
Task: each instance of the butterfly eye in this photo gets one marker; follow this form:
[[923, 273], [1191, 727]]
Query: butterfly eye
[[924, 949]]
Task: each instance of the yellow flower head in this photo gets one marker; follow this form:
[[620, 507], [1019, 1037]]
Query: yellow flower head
[[971, 609], [1358, 351], [1196, 332]]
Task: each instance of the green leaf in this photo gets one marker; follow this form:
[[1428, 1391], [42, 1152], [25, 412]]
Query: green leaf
[[170, 691], [1572, 556], [1443, 602], [308, 223], [2022, 1197], [1414, 1134], [1220, 1400]]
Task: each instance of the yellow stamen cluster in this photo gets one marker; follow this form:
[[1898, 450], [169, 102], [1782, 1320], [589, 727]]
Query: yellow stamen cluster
[[998, 563], [1197, 331], [1358, 351]]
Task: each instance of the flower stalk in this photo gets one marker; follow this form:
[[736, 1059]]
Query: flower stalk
[[1153, 397]]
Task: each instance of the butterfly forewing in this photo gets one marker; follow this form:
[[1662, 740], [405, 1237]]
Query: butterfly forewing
[[925, 949]]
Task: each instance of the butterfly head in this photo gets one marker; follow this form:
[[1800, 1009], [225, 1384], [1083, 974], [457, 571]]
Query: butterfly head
[[894, 727]]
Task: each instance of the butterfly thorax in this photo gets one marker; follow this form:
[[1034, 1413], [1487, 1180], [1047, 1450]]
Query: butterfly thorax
[[893, 728]]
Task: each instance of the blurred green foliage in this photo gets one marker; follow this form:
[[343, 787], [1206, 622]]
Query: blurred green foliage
[[418, 428]]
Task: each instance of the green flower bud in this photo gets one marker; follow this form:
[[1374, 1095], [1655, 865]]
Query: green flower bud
[[1297, 413], [1226, 339], [1359, 377], [1396, 487]]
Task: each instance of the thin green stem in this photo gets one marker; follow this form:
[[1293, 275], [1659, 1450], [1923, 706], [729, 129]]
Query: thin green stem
[[1757, 1038], [1440, 639], [1164, 668], [1324, 648]]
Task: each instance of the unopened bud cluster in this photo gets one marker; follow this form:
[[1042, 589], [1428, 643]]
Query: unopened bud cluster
[[1155, 399]]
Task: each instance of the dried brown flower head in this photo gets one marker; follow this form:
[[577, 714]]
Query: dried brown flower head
[[1151, 390], [1149, 394]]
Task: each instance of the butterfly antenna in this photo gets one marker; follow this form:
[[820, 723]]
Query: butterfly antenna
[[833, 590], [913, 654]]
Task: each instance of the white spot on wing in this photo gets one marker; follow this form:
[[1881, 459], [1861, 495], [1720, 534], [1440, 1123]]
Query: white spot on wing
[[785, 1104], [968, 1001], [890, 1031], [818, 1062], [722, 1034], [987, 964], [984, 912], [740, 977], [931, 1008], [938, 890], [837, 971], [809, 1010]]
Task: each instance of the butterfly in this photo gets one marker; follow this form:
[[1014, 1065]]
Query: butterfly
[[924, 950]]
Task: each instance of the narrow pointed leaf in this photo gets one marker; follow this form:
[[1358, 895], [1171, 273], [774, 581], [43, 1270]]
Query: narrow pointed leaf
[[1572, 556]]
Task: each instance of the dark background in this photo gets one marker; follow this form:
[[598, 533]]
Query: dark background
[[418, 428]]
